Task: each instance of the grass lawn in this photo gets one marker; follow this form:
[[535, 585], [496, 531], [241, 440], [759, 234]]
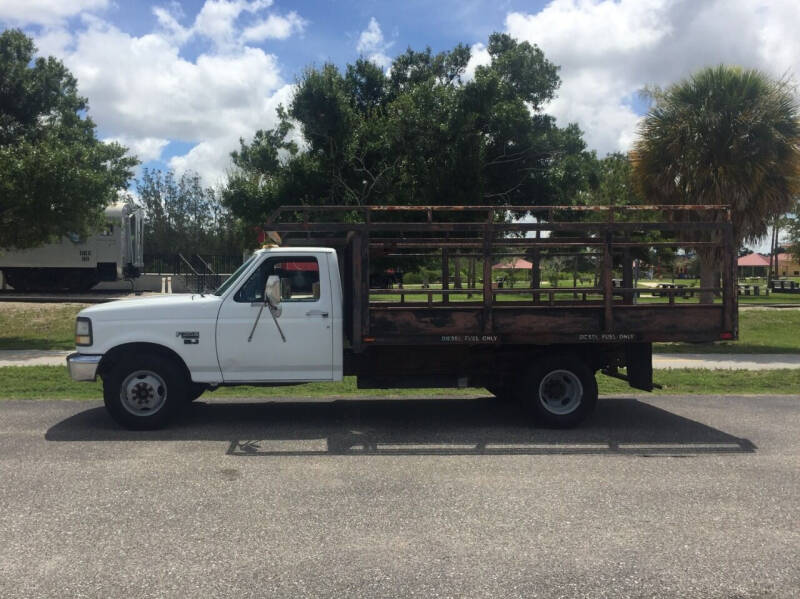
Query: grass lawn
[[774, 298], [52, 382], [767, 331], [38, 326], [51, 326]]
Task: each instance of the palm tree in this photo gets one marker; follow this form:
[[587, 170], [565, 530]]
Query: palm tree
[[725, 135]]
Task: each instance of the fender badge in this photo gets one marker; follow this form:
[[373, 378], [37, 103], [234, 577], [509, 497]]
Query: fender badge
[[189, 337]]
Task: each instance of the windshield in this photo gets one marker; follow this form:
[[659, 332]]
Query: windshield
[[232, 279]]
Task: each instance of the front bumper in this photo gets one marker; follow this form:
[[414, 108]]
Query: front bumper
[[83, 367]]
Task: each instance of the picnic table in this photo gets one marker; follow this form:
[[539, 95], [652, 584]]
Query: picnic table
[[785, 286], [749, 289], [685, 294]]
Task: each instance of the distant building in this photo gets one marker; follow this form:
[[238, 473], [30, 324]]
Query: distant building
[[788, 265], [753, 265], [513, 264]]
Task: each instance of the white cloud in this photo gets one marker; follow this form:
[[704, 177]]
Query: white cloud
[[143, 93], [609, 50], [275, 27], [371, 38], [144, 148], [218, 22], [478, 56], [170, 25], [53, 41], [372, 44], [217, 19], [45, 12], [210, 157]]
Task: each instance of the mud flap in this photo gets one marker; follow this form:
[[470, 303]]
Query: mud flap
[[639, 360]]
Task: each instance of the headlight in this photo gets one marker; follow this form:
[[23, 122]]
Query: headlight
[[83, 331]]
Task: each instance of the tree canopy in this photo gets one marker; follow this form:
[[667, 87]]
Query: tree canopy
[[792, 224], [725, 135], [183, 216], [421, 133], [56, 177]]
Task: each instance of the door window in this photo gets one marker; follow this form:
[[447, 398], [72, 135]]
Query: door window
[[299, 277]]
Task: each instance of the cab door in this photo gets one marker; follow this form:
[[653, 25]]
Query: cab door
[[304, 316]]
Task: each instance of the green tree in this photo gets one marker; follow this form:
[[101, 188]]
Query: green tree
[[55, 175], [421, 134], [791, 224], [181, 216], [725, 135], [615, 183]]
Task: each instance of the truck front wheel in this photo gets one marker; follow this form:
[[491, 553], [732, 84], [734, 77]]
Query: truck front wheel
[[560, 391], [195, 391], [144, 391]]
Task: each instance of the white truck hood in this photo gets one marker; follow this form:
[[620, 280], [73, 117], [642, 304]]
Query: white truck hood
[[166, 307]]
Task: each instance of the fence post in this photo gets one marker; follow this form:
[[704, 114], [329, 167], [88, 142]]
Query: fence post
[[608, 291]]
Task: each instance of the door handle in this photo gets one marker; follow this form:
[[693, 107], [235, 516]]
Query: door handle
[[317, 313]]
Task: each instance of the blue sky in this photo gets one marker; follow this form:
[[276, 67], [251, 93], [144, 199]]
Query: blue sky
[[180, 82], [334, 26]]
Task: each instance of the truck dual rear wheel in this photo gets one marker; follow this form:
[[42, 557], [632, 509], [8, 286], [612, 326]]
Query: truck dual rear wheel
[[144, 391], [559, 391]]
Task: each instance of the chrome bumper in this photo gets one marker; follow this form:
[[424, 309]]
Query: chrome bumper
[[83, 367]]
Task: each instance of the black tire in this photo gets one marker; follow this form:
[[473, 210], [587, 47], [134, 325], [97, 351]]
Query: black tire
[[559, 391], [17, 280], [156, 388], [195, 391], [504, 393]]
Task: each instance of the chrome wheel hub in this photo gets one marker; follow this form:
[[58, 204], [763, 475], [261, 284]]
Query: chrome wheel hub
[[143, 393], [560, 392]]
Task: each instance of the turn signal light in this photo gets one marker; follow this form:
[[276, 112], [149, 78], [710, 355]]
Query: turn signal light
[[83, 331]]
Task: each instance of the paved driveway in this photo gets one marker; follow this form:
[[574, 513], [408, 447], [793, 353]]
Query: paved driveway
[[665, 497]]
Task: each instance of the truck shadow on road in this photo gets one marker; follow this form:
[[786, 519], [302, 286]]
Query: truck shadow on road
[[416, 427]]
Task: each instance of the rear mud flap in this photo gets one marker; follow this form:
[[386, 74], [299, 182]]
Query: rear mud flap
[[639, 360]]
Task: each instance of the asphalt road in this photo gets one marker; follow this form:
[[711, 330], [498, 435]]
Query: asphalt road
[[665, 497]]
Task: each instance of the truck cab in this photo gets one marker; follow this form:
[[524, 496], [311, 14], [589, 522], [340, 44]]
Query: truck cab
[[276, 320]]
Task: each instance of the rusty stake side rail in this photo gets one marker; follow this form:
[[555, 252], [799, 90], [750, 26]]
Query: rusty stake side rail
[[489, 231]]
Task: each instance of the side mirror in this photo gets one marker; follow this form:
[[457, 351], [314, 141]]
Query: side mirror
[[272, 295], [272, 290]]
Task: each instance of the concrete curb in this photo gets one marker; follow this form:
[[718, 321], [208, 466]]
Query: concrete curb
[[36, 357]]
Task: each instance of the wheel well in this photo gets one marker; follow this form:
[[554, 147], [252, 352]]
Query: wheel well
[[594, 357], [112, 357], [510, 362]]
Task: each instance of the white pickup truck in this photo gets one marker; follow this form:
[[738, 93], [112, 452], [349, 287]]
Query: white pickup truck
[[307, 313], [277, 319]]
